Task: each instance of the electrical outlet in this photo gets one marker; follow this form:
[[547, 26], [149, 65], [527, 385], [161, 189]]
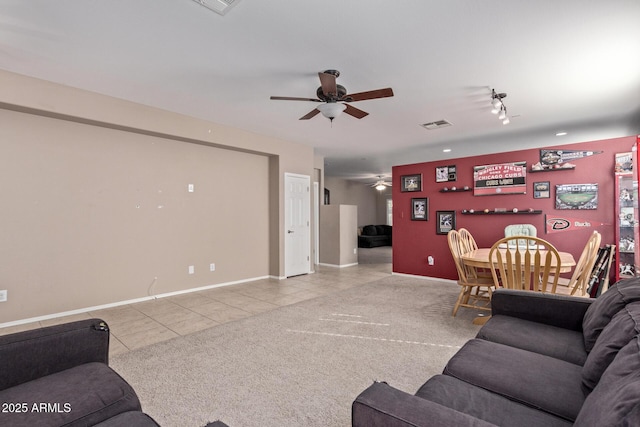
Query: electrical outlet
[[355, 251], [430, 260], [192, 269], [3, 295], [212, 267], [191, 188]]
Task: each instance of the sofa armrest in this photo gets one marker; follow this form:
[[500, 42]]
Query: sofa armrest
[[381, 405], [562, 311], [28, 355]]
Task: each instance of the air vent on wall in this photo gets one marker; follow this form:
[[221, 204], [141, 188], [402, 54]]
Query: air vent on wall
[[436, 125], [218, 6]]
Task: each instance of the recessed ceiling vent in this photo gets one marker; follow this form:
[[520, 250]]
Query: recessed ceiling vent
[[218, 6], [436, 125]]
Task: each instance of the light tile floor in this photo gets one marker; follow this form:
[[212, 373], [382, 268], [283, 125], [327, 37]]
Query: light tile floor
[[137, 325]]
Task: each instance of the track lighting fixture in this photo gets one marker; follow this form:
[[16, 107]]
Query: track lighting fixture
[[498, 106]]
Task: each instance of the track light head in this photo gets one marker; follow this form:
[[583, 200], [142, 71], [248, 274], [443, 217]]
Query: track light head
[[498, 106]]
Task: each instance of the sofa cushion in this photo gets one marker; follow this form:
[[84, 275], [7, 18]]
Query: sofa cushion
[[533, 379], [561, 343], [58, 348], [369, 230], [380, 231], [599, 314], [84, 395], [381, 405], [622, 328], [480, 403], [615, 401]]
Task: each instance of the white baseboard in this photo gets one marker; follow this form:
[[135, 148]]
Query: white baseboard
[[432, 279], [131, 301], [337, 266]]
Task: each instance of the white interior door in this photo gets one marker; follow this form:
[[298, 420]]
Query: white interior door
[[297, 224]]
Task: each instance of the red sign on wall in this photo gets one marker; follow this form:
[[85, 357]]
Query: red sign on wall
[[505, 178], [558, 223]]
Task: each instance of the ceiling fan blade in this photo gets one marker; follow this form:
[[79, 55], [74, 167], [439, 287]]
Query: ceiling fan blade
[[310, 114], [355, 112], [328, 83], [290, 98], [371, 94]]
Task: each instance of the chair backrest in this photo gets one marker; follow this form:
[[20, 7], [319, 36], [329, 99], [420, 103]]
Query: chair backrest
[[455, 246], [520, 230], [458, 247], [534, 267], [467, 239], [582, 272]]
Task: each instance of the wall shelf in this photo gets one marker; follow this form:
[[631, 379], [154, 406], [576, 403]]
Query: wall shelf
[[457, 190], [520, 212], [551, 170]]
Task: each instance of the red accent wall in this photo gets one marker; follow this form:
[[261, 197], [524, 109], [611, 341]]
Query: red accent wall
[[414, 241]]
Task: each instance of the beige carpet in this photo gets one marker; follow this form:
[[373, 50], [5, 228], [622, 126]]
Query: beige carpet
[[302, 365]]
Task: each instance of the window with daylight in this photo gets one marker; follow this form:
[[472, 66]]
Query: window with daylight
[[389, 211]]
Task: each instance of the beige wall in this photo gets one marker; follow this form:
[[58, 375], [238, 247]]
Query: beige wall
[[371, 204], [95, 207], [338, 235]]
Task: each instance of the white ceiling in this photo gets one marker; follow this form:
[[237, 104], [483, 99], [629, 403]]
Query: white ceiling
[[569, 65]]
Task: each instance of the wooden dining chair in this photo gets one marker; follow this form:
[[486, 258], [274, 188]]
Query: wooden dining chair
[[475, 292], [579, 281], [469, 244], [467, 239], [535, 266]]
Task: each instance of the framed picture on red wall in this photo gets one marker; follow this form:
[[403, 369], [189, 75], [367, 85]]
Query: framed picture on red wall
[[445, 221], [577, 196], [446, 173], [411, 182], [420, 209], [541, 190]]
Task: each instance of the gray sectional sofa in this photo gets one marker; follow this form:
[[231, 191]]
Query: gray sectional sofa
[[541, 360], [59, 375], [373, 236]]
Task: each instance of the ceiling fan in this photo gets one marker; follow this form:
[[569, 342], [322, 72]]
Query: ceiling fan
[[381, 184], [333, 97]]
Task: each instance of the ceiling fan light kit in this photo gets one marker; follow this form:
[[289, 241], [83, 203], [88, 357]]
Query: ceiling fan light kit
[[498, 106], [381, 184], [331, 110], [334, 98]]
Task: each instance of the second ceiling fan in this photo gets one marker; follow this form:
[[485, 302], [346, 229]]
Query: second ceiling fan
[[334, 98]]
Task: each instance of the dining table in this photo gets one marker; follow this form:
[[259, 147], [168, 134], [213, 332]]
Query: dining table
[[479, 258]]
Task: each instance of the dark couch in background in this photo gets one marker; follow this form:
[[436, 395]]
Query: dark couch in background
[[59, 375], [375, 235], [541, 360]]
